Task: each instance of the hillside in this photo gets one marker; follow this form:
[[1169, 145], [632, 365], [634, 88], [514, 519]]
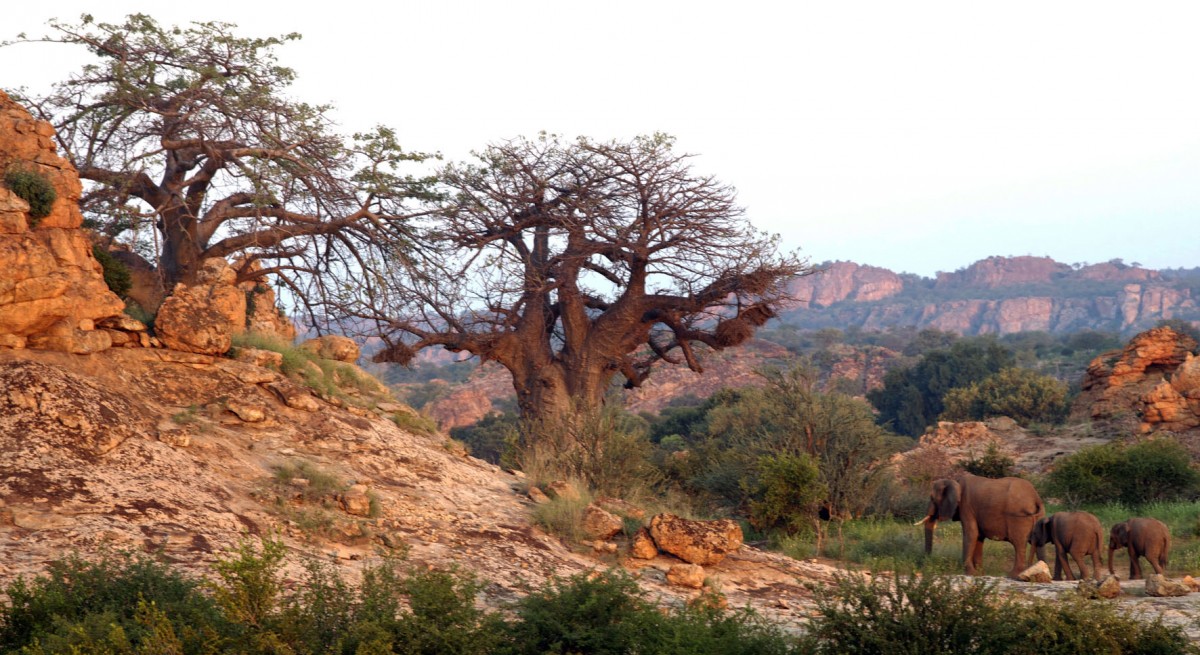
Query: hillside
[[998, 295]]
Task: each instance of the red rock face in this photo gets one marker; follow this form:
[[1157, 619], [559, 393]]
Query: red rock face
[[846, 280], [1156, 377], [52, 290], [996, 272]]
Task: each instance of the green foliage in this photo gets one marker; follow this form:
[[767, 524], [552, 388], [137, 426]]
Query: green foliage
[[606, 450], [930, 614], [328, 378], [1020, 394], [119, 603], [138, 313], [912, 397], [491, 436], [116, 274], [789, 491], [415, 422], [248, 583], [992, 464], [32, 187], [1134, 475]]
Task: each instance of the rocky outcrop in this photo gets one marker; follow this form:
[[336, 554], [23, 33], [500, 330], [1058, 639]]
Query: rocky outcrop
[[695, 542], [840, 281], [203, 317], [998, 295], [1155, 378], [52, 289], [947, 444], [333, 346]]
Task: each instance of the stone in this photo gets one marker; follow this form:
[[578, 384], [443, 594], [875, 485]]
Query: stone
[[294, 396], [538, 496], [642, 546], [260, 357], [564, 490], [1109, 587], [246, 411], [695, 542], [599, 524], [1039, 572], [1159, 585], [202, 318], [1191, 583], [356, 501], [686, 575], [50, 277], [332, 346]]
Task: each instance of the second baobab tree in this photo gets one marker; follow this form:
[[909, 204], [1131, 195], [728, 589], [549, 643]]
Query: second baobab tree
[[572, 263]]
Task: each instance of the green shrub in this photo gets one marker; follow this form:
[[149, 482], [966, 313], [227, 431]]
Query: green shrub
[[789, 490], [992, 464], [1154, 470], [118, 601], [116, 274], [932, 614], [32, 187], [1021, 394], [563, 516]]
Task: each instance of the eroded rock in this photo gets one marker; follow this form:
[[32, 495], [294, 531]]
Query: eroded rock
[[695, 542]]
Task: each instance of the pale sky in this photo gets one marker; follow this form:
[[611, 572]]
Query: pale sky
[[916, 136]]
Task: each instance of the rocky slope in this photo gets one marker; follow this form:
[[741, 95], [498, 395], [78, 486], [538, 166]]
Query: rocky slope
[[179, 453], [998, 295]]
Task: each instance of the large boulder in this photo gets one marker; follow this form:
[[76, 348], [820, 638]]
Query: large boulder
[[52, 289], [599, 524], [202, 318], [1160, 586], [1155, 377], [696, 542], [333, 346]]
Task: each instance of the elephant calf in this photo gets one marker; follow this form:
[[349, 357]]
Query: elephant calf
[[1149, 538], [1078, 534]]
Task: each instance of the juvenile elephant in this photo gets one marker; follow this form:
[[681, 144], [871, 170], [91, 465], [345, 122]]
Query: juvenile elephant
[[1003, 509], [1077, 534], [1149, 538]]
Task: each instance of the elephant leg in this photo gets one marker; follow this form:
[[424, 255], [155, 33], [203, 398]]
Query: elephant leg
[[1157, 563], [1018, 563], [970, 536], [1096, 564], [1061, 563], [1135, 568], [977, 554], [1081, 561]]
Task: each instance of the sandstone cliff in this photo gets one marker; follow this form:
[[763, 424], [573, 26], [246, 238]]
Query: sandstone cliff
[[998, 295], [52, 290]]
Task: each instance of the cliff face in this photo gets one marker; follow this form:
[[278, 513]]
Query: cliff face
[[998, 295]]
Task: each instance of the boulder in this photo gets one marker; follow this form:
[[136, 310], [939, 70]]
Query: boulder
[[52, 289], [1109, 587], [695, 542], [294, 396], [538, 496], [356, 501], [686, 575], [332, 346], [246, 411], [642, 546], [564, 490], [1037, 573], [599, 524], [1159, 585], [202, 318]]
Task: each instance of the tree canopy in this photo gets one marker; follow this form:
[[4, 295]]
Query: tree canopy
[[570, 262], [189, 144]]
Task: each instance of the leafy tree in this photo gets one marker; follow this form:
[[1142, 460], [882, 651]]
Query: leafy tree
[[912, 397], [1020, 394], [189, 132], [1155, 470], [789, 490], [572, 262]]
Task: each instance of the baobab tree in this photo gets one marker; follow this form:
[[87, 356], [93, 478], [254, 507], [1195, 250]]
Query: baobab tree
[[570, 263], [188, 133]]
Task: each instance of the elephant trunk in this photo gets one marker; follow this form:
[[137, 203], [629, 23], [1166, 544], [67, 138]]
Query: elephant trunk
[[1110, 560], [929, 527]]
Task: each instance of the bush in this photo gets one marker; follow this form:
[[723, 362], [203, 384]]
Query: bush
[[119, 599], [993, 463], [789, 491], [1134, 475], [116, 274], [32, 187], [1020, 394], [935, 614]]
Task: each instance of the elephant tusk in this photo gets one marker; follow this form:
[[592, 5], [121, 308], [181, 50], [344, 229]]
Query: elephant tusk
[[921, 521]]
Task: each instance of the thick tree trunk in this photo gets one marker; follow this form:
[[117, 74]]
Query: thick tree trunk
[[552, 394]]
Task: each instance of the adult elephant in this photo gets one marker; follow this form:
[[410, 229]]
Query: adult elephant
[[1002, 509], [1078, 534], [1149, 538]]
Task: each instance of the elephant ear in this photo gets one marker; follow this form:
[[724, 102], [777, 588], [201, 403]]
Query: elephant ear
[[1040, 535], [948, 501], [1120, 534]]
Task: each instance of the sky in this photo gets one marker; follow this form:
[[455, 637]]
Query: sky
[[916, 136]]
